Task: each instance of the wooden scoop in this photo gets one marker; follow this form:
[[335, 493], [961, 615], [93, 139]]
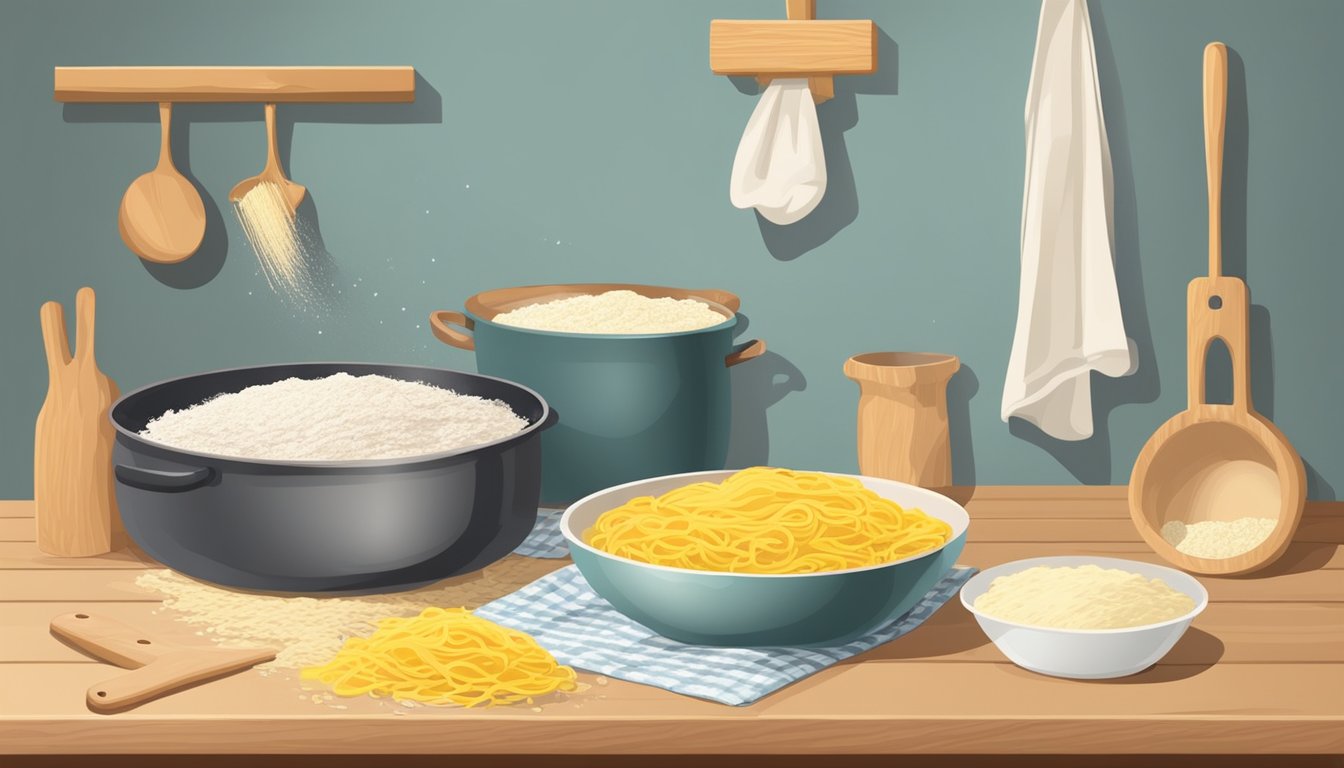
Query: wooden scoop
[[272, 172], [1217, 462], [162, 217], [160, 668]]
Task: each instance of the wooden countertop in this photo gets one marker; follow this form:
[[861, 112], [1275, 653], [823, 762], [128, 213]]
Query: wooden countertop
[[1260, 672]]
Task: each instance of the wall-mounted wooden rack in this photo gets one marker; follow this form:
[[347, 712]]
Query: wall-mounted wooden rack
[[802, 46], [235, 84]]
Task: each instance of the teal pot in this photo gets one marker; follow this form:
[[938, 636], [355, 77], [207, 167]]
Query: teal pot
[[750, 609], [630, 406]]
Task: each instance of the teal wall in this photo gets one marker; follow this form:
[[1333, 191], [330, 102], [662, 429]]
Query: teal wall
[[587, 141]]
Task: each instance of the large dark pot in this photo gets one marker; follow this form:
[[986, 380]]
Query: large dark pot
[[326, 525], [631, 405]]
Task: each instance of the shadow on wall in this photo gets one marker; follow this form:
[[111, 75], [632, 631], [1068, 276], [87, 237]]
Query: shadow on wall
[[960, 389], [839, 207], [756, 386], [202, 267], [1090, 460]]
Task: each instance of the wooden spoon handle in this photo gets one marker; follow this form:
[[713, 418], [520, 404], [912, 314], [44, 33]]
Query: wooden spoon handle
[[272, 150], [54, 340], [165, 135], [1215, 123]]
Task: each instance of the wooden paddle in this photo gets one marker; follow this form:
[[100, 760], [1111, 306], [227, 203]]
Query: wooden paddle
[[160, 668], [72, 448]]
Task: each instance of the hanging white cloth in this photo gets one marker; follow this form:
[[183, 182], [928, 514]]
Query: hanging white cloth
[[1068, 317], [780, 169]]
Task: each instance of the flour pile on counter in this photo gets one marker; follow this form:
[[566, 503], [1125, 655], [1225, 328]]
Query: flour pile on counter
[[1085, 597], [335, 418], [613, 312], [1218, 539], [308, 631]]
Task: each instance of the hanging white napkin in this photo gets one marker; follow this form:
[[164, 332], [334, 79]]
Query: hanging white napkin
[[780, 169], [1068, 316]]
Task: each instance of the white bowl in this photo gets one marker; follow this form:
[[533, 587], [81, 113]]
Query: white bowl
[[1085, 654]]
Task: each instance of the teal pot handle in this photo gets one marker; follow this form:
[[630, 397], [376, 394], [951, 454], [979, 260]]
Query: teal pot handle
[[752, 349], [441, 322]]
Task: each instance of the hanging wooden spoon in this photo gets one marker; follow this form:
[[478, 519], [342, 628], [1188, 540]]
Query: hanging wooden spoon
[[273, 173], [162, 217]]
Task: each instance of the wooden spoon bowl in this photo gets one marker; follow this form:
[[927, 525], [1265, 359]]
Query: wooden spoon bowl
[[272, 172], [162, 216]]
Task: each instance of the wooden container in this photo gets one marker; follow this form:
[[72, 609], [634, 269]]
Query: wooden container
[[903, 432]]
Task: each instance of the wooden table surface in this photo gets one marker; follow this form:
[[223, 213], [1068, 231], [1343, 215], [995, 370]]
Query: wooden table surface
[[1260, 672]]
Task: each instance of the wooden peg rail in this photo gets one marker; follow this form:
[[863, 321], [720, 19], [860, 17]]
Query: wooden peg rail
[[235, 84], [801, 46]]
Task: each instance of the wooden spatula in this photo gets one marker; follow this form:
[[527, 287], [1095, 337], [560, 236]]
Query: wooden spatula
[[72, 448], [160, 668]]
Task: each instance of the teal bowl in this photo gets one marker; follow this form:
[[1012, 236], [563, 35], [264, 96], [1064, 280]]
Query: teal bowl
[[747, 609]]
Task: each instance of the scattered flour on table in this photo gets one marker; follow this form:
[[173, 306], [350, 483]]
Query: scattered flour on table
[[308, 631], [336, 418], [613, 312], [1218, 539]]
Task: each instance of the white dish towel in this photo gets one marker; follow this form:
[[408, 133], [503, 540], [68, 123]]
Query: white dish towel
[[1068, 316], [780, 169]]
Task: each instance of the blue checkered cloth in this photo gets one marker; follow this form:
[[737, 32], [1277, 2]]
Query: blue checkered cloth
[[581, 629], [545, 540]]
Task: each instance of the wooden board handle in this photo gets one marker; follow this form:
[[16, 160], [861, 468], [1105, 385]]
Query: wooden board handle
[[1215, 124], [159, 667], [1218, 308], [169, 673]]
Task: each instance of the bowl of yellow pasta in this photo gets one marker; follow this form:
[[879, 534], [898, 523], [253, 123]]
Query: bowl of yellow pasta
[[764, 556]]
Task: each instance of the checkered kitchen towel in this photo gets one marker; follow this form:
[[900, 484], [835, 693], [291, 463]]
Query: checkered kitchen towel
[[545, 540], [581, 629]]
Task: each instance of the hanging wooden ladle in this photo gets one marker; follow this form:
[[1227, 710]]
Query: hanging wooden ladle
[[162, 216], [1213, 461], [272, 172]]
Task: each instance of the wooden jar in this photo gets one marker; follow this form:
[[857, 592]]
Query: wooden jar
[[903, 432]]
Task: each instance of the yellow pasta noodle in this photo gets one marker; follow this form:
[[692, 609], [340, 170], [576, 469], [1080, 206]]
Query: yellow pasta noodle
[[767, 520], [444, 656]]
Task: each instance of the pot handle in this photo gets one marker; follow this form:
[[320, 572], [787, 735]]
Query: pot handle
[[753, 348], [163, 479], [441, 323]]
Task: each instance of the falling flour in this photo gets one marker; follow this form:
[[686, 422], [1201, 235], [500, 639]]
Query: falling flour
[[336, 418], [613, 312], [272, 228], [1218, 539]]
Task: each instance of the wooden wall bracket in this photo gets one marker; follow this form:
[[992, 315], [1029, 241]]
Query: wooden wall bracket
[[802, 46], [235, 84]]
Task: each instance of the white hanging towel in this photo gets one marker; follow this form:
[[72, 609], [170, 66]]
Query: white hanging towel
[[1068, 314], [780, 169]]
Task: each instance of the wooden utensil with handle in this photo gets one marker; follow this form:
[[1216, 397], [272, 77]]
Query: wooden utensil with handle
[[272, 172], [72, 446], [1215, 461], [160, 668], [162, 216]]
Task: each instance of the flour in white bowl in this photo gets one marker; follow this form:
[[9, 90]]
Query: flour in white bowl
[[336, 418]]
